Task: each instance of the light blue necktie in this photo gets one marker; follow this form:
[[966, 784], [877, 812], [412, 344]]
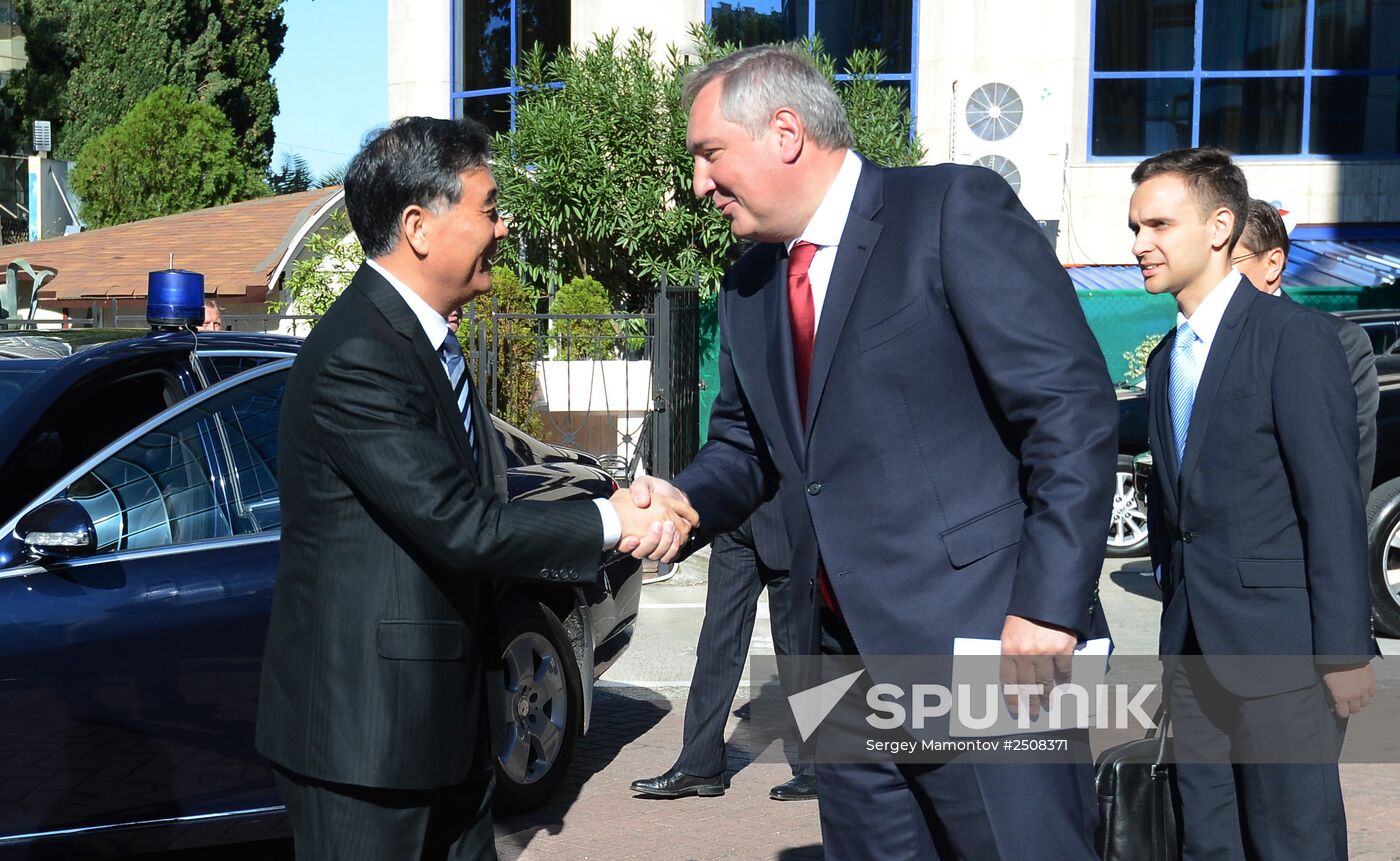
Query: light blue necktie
[[1183, 385], [457, 375]]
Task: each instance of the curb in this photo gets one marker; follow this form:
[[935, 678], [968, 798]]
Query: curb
[[694, 570]]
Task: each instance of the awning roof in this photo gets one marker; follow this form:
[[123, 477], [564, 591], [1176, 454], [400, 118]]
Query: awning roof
[[1328, 263], [238, 248], [1311, 263]]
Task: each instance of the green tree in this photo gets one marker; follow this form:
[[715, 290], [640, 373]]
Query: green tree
[[1137, 359], [168, 155], [91, 62], [294, 175], [597, 179], [517, 346], [327, 262], [334, 176], [583, 339]]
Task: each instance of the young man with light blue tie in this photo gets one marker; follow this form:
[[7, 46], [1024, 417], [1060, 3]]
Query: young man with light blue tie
[[1256, 525]]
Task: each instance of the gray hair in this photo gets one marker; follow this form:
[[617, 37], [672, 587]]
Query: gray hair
[[765, 78]]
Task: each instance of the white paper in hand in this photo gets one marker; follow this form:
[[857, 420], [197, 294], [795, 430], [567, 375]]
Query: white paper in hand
[[979, 708]]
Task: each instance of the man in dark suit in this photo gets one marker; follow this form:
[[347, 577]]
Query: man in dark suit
[[743, 563], [904, 363], [1256, 524], [1261, 255], [380, 689]]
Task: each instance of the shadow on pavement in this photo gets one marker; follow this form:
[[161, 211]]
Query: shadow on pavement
[[1135, 577], [810, 852], [617, 721]]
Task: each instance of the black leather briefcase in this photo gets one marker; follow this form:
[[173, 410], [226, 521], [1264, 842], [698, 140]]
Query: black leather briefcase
[[1139, 808]]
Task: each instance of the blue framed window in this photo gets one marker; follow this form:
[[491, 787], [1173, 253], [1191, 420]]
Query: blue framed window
[[844, 25], [488, 38], [1269, 78]]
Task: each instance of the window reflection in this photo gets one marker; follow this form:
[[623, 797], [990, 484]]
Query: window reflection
[[483, 48], [542, 21], [849, 25], [759, 22], [1356, 115], [484, 37], [491, 111], [1253, 34], [1132, 117], [1356, 34], [1144, 35], [1253, 116], [1149, 57]]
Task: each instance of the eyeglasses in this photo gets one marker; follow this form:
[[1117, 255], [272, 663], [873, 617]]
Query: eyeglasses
[[1244, 257]]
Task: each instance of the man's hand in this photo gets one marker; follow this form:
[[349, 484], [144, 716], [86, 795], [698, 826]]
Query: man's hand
[[1035, 653], [1350, 689], [656, 519]]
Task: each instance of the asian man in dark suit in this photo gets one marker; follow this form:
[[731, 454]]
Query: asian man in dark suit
[[1261, 256], [903, 362], [1256, 523], [380, 691]]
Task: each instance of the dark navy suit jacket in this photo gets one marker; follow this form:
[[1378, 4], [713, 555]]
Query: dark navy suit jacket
[[957, 458], [1259, 531]]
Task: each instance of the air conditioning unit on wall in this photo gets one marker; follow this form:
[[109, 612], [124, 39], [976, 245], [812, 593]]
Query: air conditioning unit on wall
[[1016, 129]]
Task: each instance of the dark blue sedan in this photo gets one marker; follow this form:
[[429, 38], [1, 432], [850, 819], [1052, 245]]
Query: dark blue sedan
[[129, 666]]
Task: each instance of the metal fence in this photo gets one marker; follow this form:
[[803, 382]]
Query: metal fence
[[622, 387], [283, 324]]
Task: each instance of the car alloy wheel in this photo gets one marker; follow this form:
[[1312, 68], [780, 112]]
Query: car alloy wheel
[[543, 702], [1383, 540], [1127, 527]]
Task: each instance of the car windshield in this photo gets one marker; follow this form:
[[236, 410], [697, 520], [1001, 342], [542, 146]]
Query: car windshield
[[14, 380]]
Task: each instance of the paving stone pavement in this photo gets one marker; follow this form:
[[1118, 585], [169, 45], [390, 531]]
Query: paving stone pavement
[[595, 815], [638, 734]]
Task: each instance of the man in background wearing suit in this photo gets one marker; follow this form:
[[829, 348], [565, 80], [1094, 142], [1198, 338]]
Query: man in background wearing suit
[[1261, 256], [1256, 524], [742, 564], [904, 364], [380, 690]]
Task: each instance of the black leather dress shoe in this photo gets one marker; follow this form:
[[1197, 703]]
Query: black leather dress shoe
[[802, 787], [677, 784]]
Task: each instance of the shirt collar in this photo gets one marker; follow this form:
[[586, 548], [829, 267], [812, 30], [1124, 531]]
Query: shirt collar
[[829, 221], [434, 324], [1207, 316]]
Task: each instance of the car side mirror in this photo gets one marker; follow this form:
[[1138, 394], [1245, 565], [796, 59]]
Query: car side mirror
[[59, 529]]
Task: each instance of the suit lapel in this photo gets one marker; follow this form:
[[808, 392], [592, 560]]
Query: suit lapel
[[782, 374], [1221, 349], [858, 240], [403, 321], [492, 460], [1160, 412]]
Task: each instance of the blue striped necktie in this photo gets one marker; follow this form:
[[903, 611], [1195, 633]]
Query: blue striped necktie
[[1183, 385], [461, 389]]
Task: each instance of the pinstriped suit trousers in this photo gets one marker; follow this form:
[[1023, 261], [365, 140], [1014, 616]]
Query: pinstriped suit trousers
[[736, 578], [337, 822]]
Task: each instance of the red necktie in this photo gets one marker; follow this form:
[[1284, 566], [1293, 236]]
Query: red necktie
[[803, 318]]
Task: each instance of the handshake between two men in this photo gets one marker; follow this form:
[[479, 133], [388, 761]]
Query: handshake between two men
[[656, 519]]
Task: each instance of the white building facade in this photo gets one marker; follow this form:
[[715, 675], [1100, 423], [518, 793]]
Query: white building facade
[[1063, 97]]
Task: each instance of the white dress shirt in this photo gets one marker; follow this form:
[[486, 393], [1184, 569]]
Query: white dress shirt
[[436, 328], [826, 227], [1205, 320]]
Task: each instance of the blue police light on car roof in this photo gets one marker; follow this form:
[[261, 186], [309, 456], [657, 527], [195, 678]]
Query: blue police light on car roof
[[175, 299]]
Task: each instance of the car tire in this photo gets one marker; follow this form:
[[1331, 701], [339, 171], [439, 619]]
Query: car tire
[[1127, 527], [1383, 556], [544, 707]]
